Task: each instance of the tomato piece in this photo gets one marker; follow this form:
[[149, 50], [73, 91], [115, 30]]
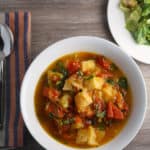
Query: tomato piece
[[90, 113], [54, 94], [105, 74], [121, 103], [66, 136], [110, 113], [118, 114], [51, 93], [78, 119], [60, 113], [125, 106], [64, 128], [98, 104], [103, 63], [73, 66], [54, 109], [49, 108], [45, 91], [114, 112]]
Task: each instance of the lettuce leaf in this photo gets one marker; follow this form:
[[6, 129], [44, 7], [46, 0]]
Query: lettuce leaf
[[146, 10], [133, 19], [142, 34], [137, 19], [147, 1]]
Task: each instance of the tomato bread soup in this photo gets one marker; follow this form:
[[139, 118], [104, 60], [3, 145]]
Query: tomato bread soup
[[83, 100]]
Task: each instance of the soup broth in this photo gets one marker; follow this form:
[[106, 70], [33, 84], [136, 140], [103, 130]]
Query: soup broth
[[83, 100]]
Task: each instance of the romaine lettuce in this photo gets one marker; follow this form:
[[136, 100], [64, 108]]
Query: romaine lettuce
[[137, 16]]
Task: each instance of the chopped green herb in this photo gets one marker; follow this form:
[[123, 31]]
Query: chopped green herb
[[61, 68], [88, 77], [101, 126], [54, 70], [80, 73], [123, 83], [113, 67], [59, 64], [51, 74], [59, 121], [101, 114], [60, 84], [51, 115], [110, 81], [68, 121], [108, 122]]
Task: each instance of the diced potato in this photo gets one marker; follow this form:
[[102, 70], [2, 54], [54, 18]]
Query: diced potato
[[88, 65], [120, 100], [73, 83], [87, 136], [64, 100], [92, 141], [97, 70], [100, 135], [94, 83], [89, 112], [82, 136], [77, 84], [68, 85], [51, 74], [82, 100], [77, 125], [109, 92]]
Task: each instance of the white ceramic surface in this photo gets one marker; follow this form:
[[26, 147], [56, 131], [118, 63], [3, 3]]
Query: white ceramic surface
[[122, 36], [90, 44]]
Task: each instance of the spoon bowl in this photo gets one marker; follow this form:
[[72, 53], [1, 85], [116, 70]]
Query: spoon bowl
[[7, 40]]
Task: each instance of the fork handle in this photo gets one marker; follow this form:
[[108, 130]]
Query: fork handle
[[2, 92]]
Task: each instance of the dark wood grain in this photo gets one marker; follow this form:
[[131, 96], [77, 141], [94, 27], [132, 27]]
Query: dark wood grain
[[53, 20]]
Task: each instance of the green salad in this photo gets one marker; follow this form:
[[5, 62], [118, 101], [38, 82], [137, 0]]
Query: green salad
[[137, 15]]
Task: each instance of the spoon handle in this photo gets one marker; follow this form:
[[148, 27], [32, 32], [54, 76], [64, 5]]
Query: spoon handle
[[2, 92]]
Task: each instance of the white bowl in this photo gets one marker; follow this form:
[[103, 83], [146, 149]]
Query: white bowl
[[90, 44]]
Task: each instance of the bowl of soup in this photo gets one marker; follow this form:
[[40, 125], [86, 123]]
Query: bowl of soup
[[83, 93]]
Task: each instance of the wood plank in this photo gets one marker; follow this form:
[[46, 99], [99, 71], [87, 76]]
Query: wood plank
[[53, 20]]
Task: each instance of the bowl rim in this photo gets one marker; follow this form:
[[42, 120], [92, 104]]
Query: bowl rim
[[74, 38]]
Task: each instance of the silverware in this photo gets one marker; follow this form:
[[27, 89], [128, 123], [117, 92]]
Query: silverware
[[6, 44]]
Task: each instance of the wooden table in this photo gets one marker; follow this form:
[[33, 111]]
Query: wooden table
[[53, 20]]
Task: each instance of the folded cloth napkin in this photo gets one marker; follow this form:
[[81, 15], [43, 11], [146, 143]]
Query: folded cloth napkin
[[13, 131]]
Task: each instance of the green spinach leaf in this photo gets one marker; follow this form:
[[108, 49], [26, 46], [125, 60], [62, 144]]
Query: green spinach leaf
[[123, 83]]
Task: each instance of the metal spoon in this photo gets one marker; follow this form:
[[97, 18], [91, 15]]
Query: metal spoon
[[6, 44]]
